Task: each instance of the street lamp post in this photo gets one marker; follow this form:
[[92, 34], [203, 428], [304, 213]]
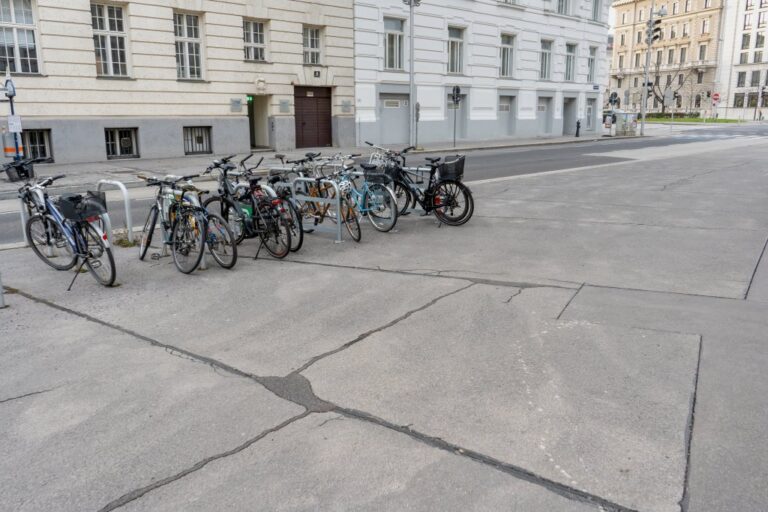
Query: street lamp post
[[412, 4], [649, 38]]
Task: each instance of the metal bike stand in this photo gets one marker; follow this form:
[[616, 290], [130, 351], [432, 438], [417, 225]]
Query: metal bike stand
[[336, 200], [24, 218], [126, 201]]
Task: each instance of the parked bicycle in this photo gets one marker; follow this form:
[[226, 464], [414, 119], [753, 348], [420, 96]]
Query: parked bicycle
[[250, 210], [186, 226], [65, 232], [444, 194]]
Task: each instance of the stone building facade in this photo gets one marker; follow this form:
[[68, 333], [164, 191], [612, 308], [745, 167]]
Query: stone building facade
[[684, 60], [525, 68], [99, 80]]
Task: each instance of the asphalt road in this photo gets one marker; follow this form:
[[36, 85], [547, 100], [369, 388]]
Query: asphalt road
[[491, 163]]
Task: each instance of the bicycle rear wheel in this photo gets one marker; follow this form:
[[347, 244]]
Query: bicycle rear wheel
[[381, 205], [221, 242], [188, 240], [402, 197], [295, 224], [453, 203], [49, 243], [147, 232], [99, 259], [234, 220], [275, 234], [349, 216]]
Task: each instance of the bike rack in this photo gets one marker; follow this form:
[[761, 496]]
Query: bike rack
[[24, 217], [126, 201], [336, 200]]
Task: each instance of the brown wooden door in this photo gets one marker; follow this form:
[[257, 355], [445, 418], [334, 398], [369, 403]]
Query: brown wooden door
[[313, 116]]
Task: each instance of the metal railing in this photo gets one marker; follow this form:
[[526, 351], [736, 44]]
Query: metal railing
[[298, 194]]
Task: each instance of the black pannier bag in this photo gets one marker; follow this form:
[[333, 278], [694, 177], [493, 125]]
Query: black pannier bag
[[18, 171], [453, 169], [80, 207]]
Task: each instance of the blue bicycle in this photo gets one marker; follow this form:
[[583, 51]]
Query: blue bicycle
[[66, 231]]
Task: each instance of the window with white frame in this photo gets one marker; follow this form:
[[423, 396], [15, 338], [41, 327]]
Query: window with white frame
[[703, 52], [597, 7], [255, 40], [37, 143], [707, 4], [18, 48], [621, 62], [394, 36], [455, 50], [687, 5], [545, 60], [109, 40], [591, 64], [685, 30], [623, 18], [507, 55], [683, 54], [570, 62], [311, 42], [637, 60], [562, 6], [761, 19], [705, 26], [121, 142], [658, 58], [674, 8], [748, 20], [640, 15], [671, 56], [189, 63]]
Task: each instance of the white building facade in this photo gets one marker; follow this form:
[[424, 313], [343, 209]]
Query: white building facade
[[742, 81], [525, 68]]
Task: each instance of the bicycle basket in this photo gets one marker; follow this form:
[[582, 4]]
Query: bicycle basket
[[452, 170], [18, 172], [79, 207], [377, 177]]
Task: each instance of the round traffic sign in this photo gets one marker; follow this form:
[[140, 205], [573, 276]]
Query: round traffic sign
[[715, 96]]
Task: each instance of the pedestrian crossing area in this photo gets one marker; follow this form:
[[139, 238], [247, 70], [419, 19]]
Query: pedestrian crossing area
[[715, 136]]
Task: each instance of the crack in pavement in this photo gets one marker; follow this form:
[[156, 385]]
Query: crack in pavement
[[138, 493], [569, 302], [378, 329], [687, 179], [685, 499], [754, 272], [33, 393]]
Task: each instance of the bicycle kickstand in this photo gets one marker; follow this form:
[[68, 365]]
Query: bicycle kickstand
[[77, 273], [258, 251]]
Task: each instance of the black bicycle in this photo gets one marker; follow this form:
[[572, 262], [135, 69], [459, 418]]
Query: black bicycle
[[444, 193]]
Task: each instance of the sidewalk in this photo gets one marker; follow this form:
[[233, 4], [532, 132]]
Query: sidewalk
[[80, 177]]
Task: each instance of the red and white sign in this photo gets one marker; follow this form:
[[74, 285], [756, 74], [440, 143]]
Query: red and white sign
[[715, 96]]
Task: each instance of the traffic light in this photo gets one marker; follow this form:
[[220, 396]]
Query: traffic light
[[654, 31], [709, 94]]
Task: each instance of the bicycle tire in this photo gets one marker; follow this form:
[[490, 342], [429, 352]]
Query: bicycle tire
[[95, 261], [450, 210], [188, 238], [380, 204], [349, 216], [148, 232], [403, 197], [297, 226], [236, 225], [275, 235], [58, 247], [221, 242]]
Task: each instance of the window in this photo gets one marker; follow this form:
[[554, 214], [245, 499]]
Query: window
[[109, 40], [707, 4], [680, 79], [562, 6], [188, 55], [703, 52], [759, 40], [618, 83], [18, 50], [507, 55], [687, 5], [671, 56], [591, 64], [197, 140], [658, 57], [738, 100], [750, 4], [754, 79], [255, 41], [639, 37], [763, 3], [669, 80], [640, 15], [637, 60], [752, 99], [741, 79], [621, 62], [623, 18], [673, 31], [743, 57], [674, 8], [634, 82], [705, 26], [393, 43], [697, 101], [570, 62], [311, 42], [656, 80], [761, 19], [455, 50], [685, 30], [121, 143], [758, 57], [545, 59], [747, 21], [745, 41], [37, 143], [596, 8], [623, 39], [700, 77], [683, 54]]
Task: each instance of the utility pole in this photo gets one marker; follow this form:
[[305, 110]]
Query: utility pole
[[412, 4], [652, 33]]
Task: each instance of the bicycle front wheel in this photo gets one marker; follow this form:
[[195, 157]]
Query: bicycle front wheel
[[349, 216], [295, 225], [188, 240], [276, 234], [49, 243], [147, 232], [221, 242], [402, 197], [99, 259], [381, 205]]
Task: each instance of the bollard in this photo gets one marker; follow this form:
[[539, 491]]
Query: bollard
[[578, 127], [2, 300], [126, 201], [24, 217]]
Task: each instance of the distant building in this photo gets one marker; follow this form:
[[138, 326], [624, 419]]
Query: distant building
[[525, 68], [684, 60]]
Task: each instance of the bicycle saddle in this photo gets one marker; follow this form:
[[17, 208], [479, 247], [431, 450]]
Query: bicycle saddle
[[312, 155], [274, 179], [432, 160], [369, 167], [279, 156]]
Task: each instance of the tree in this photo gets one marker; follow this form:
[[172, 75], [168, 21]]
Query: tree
[[674, 84]]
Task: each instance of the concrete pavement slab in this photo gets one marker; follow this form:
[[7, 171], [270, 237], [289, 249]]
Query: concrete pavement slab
[[728, 454], [263, 317], [89, 413], [327, 462], [601, 409]]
